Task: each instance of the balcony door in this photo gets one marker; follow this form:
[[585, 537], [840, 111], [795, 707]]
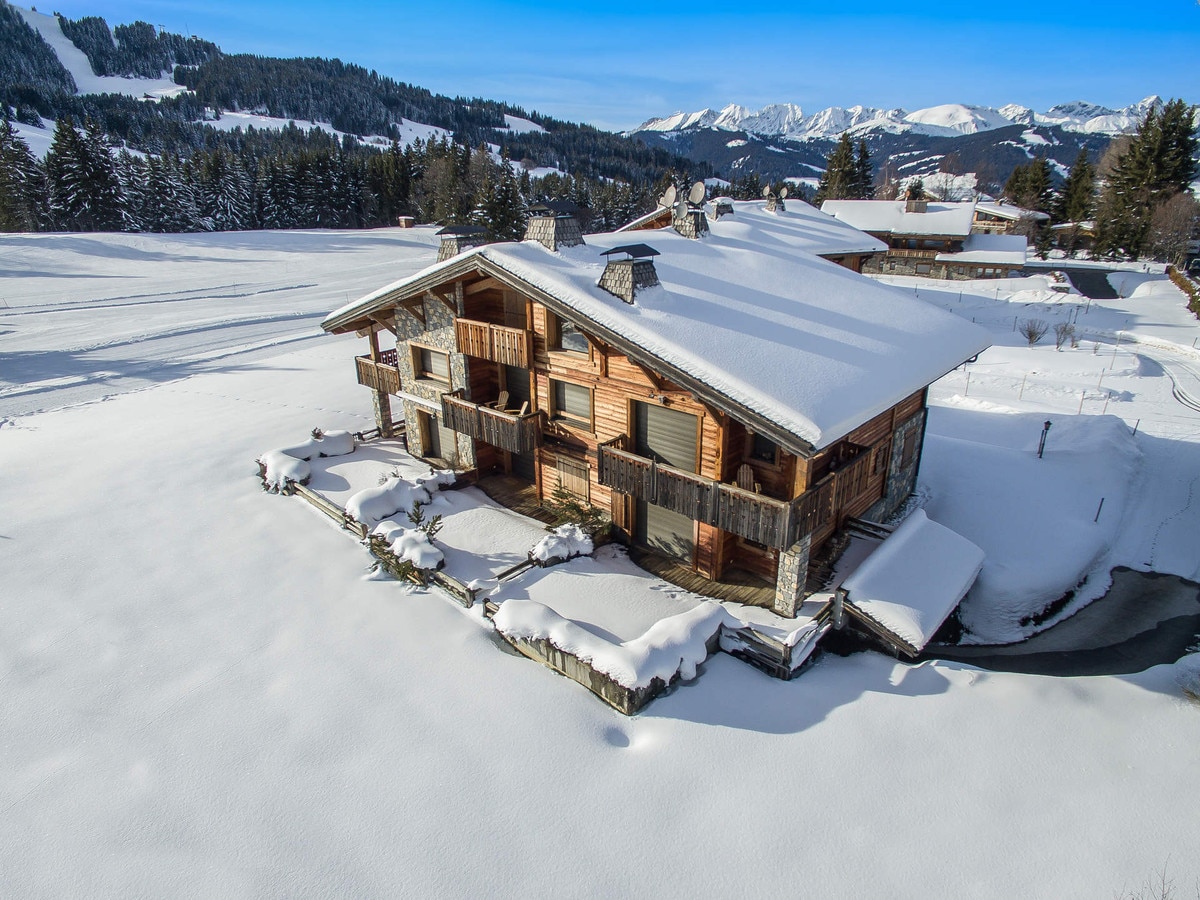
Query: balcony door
[[516, 382], [667, 436]]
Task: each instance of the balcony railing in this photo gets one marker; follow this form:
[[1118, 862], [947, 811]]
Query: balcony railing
[[765, 520], [508, 346], [382, 375], [506, 430]]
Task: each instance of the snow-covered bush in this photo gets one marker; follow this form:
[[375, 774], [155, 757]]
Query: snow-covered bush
[[373, 505], [286, 465], [1034, 329], [563, 543]]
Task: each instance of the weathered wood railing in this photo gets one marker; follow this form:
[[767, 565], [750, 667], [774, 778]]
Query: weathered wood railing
[[508, 431], [499, 343], [765, 520], [382, 375]]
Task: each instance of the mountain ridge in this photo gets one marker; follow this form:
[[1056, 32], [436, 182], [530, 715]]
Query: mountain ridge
[[787, 121]]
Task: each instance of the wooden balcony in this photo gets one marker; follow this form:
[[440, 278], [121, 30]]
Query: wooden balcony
[[507, 346], [382, 375], [506, 430], [765, 520]]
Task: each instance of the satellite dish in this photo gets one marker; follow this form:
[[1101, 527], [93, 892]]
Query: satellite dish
[[696, 194], [783, 193], [681, 209], [767, 191], [667, 200]]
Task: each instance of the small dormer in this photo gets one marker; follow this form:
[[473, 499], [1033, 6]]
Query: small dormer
[[554, 224], [634, 271], [458, 238]]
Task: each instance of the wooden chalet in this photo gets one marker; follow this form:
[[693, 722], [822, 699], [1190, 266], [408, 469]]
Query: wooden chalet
[[730, 400], [938, 240]]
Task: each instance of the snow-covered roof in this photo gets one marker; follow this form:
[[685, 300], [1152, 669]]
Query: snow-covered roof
[[811, 230], [915, 578], [990, 249], [1008, 211], [891, 216], [743, 315]]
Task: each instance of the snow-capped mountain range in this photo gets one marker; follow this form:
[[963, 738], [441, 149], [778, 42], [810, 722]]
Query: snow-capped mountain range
[[788, 121]]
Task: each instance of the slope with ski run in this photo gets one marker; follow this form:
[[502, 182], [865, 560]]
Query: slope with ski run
[[201, 697]]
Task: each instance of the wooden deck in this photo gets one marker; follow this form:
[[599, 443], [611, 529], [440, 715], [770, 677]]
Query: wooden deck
[[516, 494], [736, 585]]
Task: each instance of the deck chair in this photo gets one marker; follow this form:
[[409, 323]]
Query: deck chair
[[500, 403], [745, 479], [524, 408]]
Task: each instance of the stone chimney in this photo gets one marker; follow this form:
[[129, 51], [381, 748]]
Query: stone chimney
[[722, 206], [457, 238], [916, 206], [624, 277], [690, 222], [774, 200], [553, 225]]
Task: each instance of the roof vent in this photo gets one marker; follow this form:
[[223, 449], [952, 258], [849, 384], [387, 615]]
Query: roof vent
[[687, 213], [553, 225], [459, 238], [625, 277], [722, 206], [774, 200]]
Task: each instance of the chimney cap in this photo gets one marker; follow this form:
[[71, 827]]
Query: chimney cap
[[453, 230], [557, 207], [634, 251]]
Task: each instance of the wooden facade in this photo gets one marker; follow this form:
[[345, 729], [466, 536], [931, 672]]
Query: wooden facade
[[537, 396]]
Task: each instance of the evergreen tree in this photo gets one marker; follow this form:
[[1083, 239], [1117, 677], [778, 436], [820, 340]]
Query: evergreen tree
[[66, 173], [864, 183], [24, 203], [841, 178], [1031, 186], [1158, 163], [1077, 201], [505, 207]]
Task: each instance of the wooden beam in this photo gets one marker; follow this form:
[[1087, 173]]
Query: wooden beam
[[486, 284], [447, 301], [655, 380], [388, 321]]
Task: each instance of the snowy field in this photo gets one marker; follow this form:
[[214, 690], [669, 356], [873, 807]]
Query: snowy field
[[200, 695]]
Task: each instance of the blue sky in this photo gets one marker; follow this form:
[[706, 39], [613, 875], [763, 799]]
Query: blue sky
[[618, 64]]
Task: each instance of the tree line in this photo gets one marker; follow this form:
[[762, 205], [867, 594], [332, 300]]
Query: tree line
[[87, 184]]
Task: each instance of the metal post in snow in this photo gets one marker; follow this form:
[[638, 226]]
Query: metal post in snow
[[1117, 347], [1021, 395], [1042, 443], [1082, 397], [1014, 324], [1135, 427], [967, 389], [1098, 508], [1107, 397], [1101, 381]]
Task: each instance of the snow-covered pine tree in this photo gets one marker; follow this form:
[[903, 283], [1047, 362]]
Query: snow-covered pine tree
[[24, 203]]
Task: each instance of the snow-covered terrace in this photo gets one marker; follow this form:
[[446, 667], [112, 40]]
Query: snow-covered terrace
[[1010, 212], [747, 313], [892, 217], [990, 249]]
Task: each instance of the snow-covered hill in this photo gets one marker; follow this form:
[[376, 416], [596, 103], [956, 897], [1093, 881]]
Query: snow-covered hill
[[787, 120]]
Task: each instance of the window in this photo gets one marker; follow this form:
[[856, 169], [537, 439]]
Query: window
[[564, 336], [433, 364], [922, 268], [910, 449], [571, 403], [879, 465], [763, 449]]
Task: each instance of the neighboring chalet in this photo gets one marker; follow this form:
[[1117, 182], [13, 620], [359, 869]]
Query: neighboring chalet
[[731, 400], [821, 235], [1003, 218], [925, 237]]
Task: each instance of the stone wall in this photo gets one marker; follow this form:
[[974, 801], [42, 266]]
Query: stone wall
[[902, 480], [437, 333], [949, 271], [792, 577]]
